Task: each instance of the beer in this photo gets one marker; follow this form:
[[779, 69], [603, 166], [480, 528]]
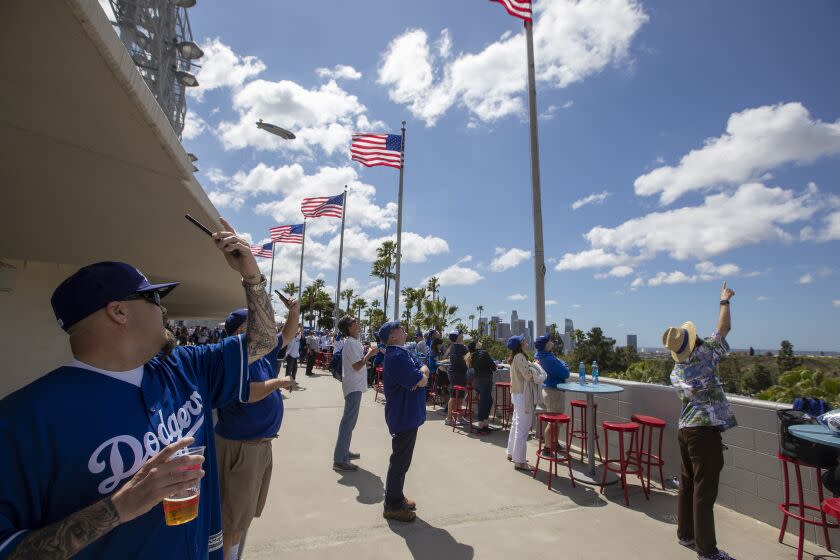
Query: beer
[[178, 511]]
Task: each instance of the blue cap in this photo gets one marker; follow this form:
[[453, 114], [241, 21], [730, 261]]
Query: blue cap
[[431, 333], [453, 336], [542, 341], [386, 329], [94, 286], [514, 342], [235, 320], [418, 334]]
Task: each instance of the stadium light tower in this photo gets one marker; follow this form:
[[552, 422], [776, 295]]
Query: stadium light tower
[[158, 37]]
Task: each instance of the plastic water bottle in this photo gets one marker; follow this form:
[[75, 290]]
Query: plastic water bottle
[[582, 373], [595, 373]]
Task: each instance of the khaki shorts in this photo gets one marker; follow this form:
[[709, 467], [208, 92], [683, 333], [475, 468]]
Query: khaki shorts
[[554, 400], [244, 476]]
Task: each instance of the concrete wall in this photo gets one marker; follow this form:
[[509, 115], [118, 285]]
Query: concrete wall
[[31, 342], [751, 481]]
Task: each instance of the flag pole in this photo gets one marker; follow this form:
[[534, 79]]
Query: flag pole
[[340, 257], [536, 196], [271, 278], [302, 247], [399, 229]]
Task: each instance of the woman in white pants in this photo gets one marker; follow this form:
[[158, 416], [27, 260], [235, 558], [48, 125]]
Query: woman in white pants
[[520, 381]]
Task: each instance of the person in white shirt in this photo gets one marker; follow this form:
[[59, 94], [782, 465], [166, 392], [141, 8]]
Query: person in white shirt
[[292, 355], [353, 384]]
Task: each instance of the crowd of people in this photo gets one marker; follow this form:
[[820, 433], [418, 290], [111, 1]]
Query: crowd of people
[[93, 447]]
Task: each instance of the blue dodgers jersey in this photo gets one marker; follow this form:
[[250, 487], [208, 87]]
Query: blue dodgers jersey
[[262, 419], [74, 436], [405, 407]]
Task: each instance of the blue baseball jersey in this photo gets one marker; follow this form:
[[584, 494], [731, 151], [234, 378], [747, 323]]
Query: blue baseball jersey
[[262, 419], [405, 406], [74, 436]]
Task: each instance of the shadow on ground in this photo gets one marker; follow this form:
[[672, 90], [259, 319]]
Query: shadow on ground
[[426, 542], [369, 486]]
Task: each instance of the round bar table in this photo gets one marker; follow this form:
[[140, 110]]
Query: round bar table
[[591, 475], [815, 433]]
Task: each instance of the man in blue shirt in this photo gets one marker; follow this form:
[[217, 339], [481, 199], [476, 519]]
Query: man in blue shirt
[[558, 372], [87, 450], [244, 433], [405, 410]]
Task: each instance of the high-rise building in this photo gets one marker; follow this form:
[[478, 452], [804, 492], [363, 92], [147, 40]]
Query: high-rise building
[[504, 331], [494, 320], [568, 342], [632, 342], [483, 328], [531, 338], [514, 316], [570, 327]]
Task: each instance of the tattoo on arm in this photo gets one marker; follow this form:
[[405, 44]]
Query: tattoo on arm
[[260, 333], [67, 537]]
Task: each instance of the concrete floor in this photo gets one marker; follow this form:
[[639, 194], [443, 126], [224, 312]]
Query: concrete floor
[[471, 503]]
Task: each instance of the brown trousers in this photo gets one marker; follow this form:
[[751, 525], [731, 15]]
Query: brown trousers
[[701, 450]]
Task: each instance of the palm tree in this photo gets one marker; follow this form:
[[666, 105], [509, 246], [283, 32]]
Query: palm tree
[[359, 304], [290, 289], [433, 285], [410, 295], [472, 321], [480, 309], [348, 295]]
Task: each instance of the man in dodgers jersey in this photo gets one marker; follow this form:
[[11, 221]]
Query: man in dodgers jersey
[[88, 448]]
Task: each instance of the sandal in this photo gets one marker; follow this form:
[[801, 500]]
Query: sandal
[[510, 458], [522, 466]]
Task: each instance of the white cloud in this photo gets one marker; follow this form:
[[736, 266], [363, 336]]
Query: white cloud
[[756, 140], [597, 198], [339, 71], [221, 67], [549, 113], [616, 272], [836, 303], [216, 176], [517, 297], [551, 302], [573, 40], [194, 126], [706, 271], [226, 199], [762, 298], [508, 258], [751, 215], [576, 306], [568, 104], [457, 275], [806, 279]]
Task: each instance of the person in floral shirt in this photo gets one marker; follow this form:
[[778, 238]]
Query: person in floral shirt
[[705, 416]]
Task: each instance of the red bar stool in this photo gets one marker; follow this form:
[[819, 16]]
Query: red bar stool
[[832, 507], [503, 404], [555, 455], [800, 505], [379, 387], [463, 405], [625, 461], [579, 409], [648, 425], [431, 391]]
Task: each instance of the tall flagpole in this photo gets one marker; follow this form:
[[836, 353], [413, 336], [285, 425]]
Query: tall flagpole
[[399, 229], [536, 196], [271, 278], [302, 247], [340, 258]]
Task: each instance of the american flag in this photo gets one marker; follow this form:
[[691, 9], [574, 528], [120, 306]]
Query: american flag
[[517, 8], [266, 251], [287, 234], [377, 149], [318, 206]]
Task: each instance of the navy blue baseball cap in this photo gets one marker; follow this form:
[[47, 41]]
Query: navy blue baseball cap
[[94, 286], [542, 341], [514, 342], [386, 329], [453, 336], [235, 319]]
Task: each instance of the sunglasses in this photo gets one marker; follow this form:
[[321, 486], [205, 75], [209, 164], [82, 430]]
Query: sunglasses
[[151, 297]]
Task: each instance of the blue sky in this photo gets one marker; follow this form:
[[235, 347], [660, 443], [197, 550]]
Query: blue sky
[[705, 136]]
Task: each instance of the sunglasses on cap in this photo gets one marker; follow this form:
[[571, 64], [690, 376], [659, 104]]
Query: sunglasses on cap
[[151, 297]]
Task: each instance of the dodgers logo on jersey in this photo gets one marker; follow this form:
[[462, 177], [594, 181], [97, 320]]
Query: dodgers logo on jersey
[[108, 457]]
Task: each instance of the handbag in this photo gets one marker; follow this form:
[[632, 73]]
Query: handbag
[[792, 447]]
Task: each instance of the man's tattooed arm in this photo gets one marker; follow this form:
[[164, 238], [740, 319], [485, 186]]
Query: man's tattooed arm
[[65, 538], [261, 332]]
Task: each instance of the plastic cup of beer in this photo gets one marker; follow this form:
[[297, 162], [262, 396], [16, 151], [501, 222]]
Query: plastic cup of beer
[[182, 507]]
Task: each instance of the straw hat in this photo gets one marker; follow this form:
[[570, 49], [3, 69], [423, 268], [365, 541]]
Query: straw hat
[[680, 340]]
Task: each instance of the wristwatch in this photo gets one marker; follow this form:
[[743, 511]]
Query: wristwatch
[[724, 302]]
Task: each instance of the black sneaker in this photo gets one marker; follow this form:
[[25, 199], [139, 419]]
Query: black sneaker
[[345, 467], [352, 455]]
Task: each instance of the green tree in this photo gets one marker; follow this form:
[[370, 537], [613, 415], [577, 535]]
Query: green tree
[[433, 285], [348, 294], [472, 321], [786, 359], [757, 379], [359, 305], [480, 309], [290, 289]]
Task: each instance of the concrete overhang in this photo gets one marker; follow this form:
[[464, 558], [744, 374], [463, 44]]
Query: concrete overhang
[[90, 168]]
